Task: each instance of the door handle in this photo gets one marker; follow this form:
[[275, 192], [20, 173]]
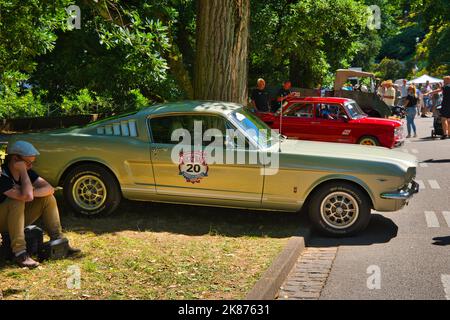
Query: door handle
[[158, 150], [315, 122]]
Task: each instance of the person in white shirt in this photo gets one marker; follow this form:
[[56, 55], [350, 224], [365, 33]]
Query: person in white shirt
[[389, 94]]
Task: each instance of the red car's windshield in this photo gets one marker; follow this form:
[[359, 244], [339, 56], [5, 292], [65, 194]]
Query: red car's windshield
[[354, 110]]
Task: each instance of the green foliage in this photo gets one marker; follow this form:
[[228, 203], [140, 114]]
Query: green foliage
[[427, 21], [82, 102], [129, 54], [27, 31], [310, 38], [403, 45], [391, 69], [17, 101], [137, 100]]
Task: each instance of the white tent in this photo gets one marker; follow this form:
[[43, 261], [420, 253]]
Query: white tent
[[399, 82], [423, 79]]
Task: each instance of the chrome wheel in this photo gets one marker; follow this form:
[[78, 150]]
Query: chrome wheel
[[339, 210], [89, 192], [368, 142]]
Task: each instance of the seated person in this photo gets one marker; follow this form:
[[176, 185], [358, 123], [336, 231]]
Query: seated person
[[325, 113], [24, 198]]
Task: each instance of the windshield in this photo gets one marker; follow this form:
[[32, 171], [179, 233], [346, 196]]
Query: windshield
[[255, 129], [354, 110]]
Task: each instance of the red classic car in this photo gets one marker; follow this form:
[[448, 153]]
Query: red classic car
[[333, 120]]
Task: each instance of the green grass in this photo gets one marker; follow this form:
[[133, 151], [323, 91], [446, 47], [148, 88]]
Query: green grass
[[158, 251]]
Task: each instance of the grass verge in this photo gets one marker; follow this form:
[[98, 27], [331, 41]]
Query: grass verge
[[158, 251]]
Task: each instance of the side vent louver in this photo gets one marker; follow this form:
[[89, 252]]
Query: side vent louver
[[124, 129]]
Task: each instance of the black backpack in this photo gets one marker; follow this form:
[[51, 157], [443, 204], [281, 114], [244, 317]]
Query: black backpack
[[34, 237]]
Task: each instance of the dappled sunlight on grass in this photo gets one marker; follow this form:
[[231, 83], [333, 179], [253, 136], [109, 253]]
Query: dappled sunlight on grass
[[158, 251]]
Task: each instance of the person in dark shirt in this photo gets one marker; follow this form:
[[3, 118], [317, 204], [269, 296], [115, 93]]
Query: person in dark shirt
[[283, 93], [410, 103], [260, 97], [445, 110], [24, 198]]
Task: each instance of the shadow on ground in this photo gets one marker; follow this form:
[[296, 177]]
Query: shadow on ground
[[437, 161], [441, 241], [186, 220], [380, 230]]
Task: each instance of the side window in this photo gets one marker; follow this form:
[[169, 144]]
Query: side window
[[330, 111], [162, 128], [300, 110]]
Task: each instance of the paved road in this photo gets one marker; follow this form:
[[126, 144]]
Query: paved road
[[397, 258]]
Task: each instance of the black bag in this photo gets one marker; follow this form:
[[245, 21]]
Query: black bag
[[53, 250], [34, 237]]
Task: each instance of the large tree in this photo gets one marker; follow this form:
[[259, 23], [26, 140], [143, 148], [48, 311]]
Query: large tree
[[221, 66]]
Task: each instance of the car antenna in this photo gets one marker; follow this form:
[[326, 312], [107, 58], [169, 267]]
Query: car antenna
[[281, 122]]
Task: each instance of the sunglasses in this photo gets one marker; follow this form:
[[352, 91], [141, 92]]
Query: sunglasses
[[29, 163]]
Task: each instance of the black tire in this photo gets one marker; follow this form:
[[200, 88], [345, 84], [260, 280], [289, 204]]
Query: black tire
[[103, 177], [370, 139], [319, 201]]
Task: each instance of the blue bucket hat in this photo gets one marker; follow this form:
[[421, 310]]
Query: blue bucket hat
[[23, 148]]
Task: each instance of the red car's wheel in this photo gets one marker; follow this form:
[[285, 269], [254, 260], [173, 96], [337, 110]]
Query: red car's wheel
[[369, 141]]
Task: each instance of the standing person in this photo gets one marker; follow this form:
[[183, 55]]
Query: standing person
[[389, 94], [410, 104], [420, 97], [260, 97], [380, 90], [404, 89], [283, 93], [445, 110], [426, 99], [436, 98], [24, 198]]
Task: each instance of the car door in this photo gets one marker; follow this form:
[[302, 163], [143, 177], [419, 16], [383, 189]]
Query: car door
[[297, 121], [334, 127], [197, 175]]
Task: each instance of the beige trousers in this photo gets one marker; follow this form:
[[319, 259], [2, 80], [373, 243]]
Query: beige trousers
[[16, 215]]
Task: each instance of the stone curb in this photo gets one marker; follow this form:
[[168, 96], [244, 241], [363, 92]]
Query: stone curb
[[269, 285]]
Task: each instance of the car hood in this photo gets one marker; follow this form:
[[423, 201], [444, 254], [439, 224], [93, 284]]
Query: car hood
[[339, 151], [378, 122]]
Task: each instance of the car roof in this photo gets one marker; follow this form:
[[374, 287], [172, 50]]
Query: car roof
[[321, 99], [216, 107]]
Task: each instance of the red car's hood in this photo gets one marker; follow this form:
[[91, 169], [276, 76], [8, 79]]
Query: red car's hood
[[378, 121]]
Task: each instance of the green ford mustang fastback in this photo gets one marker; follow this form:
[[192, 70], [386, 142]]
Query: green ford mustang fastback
[[158, 154]]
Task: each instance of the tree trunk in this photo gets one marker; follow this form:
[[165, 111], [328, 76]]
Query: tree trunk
[[221, 68]]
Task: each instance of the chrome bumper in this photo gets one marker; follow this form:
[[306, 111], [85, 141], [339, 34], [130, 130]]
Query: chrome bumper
[[403, 194]]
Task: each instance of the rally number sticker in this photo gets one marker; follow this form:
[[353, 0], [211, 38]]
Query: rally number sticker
[[193, 166]]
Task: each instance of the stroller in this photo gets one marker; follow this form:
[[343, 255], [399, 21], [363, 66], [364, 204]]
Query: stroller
[[437, 123]]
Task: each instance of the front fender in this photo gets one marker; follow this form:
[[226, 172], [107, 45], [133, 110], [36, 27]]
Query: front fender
[[341, 177]]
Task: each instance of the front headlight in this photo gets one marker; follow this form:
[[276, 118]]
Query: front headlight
[[398, 132]]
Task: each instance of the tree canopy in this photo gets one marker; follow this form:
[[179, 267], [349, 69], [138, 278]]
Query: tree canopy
[[128, 54]]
